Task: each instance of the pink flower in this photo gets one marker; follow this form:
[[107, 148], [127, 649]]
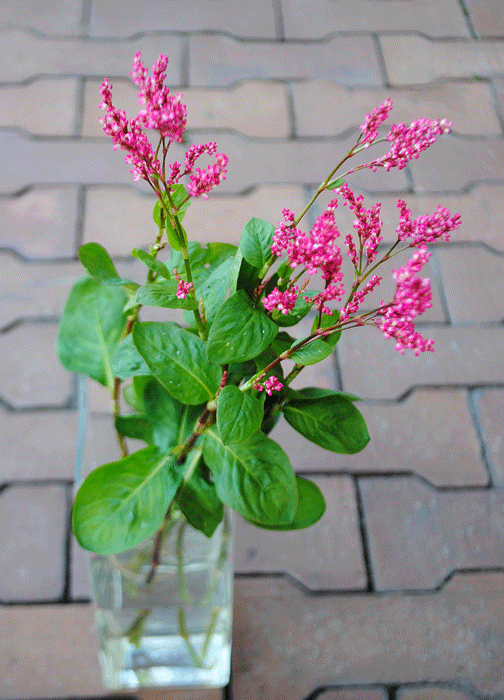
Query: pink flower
[[282, 301], [358, 298], [160, 111], [183, 288], [374, 121], [409, 141], [270, 385], [331, 292], [367, 224], [413, 296], [428, 228], [202, 181]]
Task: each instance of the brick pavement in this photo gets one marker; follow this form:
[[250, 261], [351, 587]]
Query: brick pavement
[[397, 594]]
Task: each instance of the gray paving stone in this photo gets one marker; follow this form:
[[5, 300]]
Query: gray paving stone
[[31, 375], [411, 59], [487, 17], [40, 222], [417, 535], [26, 55], [288, 645], [42, 15], [326, 556], [219, 60], [372, 369], [239, 18], [29, 448], [33, 521], [326, 17], [490, 403], [431, 434], [43, 107], [431, 693]]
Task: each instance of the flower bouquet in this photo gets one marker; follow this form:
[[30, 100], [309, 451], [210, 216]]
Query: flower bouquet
[[206, 392]]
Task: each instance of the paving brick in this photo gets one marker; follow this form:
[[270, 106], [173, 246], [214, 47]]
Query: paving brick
[[29, 450], [431, 434], [43, 107], [43, 16], [33, 521], [455, 164], [490, 403], [31, 290], [372, 369], [286, 645], [189, 694], [80, 585], [27, 54], [218, 60], [498, 85], [411, 59], [487, 17], [326, 556], [473, 281], [417, 535], [431, 693], [326, 17], [95, 162], [31, 375], [239, 18], [339, 108], [254, 108], [352, 694], [40, 222]]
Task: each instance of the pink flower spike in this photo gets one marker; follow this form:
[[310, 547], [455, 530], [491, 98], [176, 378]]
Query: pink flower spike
[[183, 288], [374, 121], [272, 384], [428, 228], [282, 301], [202, 181]]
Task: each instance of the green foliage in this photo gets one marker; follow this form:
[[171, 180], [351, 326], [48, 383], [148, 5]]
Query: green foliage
[[127, 361], [164, 294], [99, 265], [254, 477], [330, 421], [91, 327], [152, 263], [255, 242], [311, 507], [239, 414], [198, 499]]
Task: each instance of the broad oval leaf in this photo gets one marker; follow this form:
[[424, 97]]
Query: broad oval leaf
[[311, 507], [197, 497], [177, 359], [332, 422], [239, 414], [135, 426], [253, 477], [127, 361], [122, 503], [239, 332], [91, 327], [172, 422], [99, 265], [164, 294], [312, 353], [255, 242], [152, 263]]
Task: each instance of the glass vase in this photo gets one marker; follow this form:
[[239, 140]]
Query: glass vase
[[163, 609]]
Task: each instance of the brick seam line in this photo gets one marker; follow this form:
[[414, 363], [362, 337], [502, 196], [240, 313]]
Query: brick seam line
[[475, 413], [468, 19], [364, 537]]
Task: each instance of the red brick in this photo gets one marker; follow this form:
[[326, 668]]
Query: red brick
[[340, 108], [287, 645], [411, 59], [220, 60], [326, 556], [325, 17], [242, 19], [487, 17], [33, 522], [31, 374], [431, 434], [40, 223], [491, 410], [473, 281], [372, 369], [417, 535]]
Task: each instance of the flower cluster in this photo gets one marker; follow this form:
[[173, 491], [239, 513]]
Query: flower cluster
[[428, 228], [183, 288], [167, 115], [373, 122], [282, 301], [270, 385], [367, 224]]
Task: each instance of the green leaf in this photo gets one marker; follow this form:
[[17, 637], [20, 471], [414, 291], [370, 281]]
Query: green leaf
[[152, 263], [136, 427], [164, 294], [311, 507], [127, 361], [239, 332], [134, 393], [122, 503], [172, 422], [91, 327], [177, 359], [332, 422], [253, 477], [255, 242], [335, 184], [300, 310], [325, 322], [214, 288], [178, 195], [198, 499], [312, 353], [98, 264], [239, 414]]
